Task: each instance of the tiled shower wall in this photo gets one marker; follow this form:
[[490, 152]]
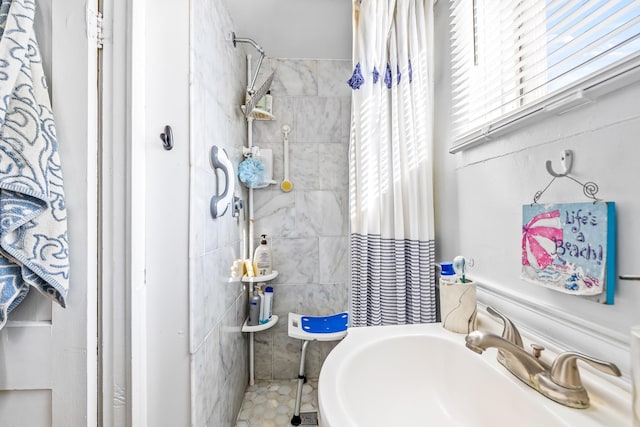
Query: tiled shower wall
[[219, 353], [309, 225]]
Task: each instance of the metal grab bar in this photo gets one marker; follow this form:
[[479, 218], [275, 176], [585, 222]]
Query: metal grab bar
[[220, 202]]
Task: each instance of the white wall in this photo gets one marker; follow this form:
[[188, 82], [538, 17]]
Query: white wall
[[480, 193], [319, 29]]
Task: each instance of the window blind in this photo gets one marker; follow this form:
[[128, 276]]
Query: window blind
[[509, 57]]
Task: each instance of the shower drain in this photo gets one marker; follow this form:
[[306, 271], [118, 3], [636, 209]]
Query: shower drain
[[309, 418]]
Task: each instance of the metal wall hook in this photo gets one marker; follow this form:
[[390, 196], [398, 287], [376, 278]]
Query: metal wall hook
[[167, 138], [590, 189], [566, 161]]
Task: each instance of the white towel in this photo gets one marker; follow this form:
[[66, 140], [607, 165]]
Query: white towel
[[33, 229]]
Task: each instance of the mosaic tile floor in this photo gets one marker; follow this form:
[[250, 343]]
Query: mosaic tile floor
[[271, 403]]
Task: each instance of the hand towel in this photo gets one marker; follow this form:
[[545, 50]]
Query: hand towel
[[33, 219]]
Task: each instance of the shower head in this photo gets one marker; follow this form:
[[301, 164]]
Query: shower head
[[255, 95], [257, 47]]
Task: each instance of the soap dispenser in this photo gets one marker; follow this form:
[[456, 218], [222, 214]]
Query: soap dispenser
[[262, 260]]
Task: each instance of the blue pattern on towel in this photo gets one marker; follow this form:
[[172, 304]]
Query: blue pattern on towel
[[33, 220]]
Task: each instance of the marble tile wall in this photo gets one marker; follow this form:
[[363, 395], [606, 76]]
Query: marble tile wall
[[219, 350], [309, 225]]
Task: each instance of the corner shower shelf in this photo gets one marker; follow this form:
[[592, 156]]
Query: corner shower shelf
[[262, 327], [264, 184], [260, 279], [259, 113]]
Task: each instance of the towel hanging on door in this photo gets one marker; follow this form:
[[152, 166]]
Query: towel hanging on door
[[33, 218]]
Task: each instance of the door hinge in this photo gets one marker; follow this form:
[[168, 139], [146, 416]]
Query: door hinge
[[95, 27]]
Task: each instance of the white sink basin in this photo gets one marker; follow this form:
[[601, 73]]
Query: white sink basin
[[424, 375]]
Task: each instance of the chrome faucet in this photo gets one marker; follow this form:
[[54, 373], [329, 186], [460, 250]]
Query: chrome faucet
[[509, 332], [514, 358], [560, 382]]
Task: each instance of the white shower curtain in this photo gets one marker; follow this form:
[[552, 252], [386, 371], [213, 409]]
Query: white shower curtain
[[391, 163]]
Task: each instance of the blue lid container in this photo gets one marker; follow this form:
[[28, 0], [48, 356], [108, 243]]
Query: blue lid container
[[446, 269]]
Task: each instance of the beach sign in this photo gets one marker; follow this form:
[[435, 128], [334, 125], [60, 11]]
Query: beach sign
[[570, 247]]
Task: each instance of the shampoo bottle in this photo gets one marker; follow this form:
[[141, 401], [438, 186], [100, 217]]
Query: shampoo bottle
[[254, 310], [262, 258], [260, 288], [268, 303]]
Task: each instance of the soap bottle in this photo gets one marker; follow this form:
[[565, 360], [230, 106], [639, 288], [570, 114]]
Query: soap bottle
[[268, 303], [262, 103], [262, 258], [254, 309], [268, 102]]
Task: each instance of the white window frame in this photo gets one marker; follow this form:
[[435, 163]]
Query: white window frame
[[575, 95]]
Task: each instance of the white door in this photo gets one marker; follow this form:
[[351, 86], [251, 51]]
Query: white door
[[48, 354]]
